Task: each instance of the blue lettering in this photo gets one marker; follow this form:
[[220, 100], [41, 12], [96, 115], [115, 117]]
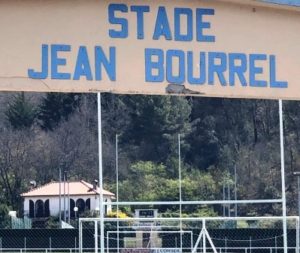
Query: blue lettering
[[171, 78], [123, 32], [273, 82], [151, 65], [201, 25], [162, 27], [238, 70], [219, 69], [202, 69], [44, 72], [82, 67], [254, 70], [140, 10], [177, 23], [56, 61], [109, 64]]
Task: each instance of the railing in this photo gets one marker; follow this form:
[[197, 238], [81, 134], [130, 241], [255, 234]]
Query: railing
[[40, 250], [208, 250]]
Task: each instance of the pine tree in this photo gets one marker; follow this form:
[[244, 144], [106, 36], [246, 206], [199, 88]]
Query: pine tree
[[20, 112], [56, 107]]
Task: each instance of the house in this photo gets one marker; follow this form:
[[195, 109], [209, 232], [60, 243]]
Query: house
[[43, 201]]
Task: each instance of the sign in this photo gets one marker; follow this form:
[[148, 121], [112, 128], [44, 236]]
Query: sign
[[170, 250], [135, 251], [196, 47], [162, 250]]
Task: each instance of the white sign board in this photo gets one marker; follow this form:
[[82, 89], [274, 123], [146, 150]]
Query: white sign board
[[195, 47]]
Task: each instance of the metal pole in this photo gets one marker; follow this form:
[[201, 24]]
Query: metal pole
[[297, 235], [80, 237], [224, 198], [283, 178], [298, 220], [100, 173], [96, 236], [192, 239], [204, 237], [235, 191], [59, 198], [25, 244], [117, 182], [229, 198], [65, 196], [297, 173], [69, 214], [180, 187]]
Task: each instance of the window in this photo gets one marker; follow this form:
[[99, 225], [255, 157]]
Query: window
[[39, 209], [81, 206], [31, 209]]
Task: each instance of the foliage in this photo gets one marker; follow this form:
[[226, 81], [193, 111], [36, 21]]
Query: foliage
[[158, 186], [4, 217], [154, 125], [52, 223], [44, 132], [117, 214], [56, 107], [20, 112]]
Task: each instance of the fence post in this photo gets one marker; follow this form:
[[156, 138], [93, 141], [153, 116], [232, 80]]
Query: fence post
[[25, 242], [75, 248], [0, 244], [80, 237], [225, 244], [192, 243], [250, 243], [50, 244], [275, 244], [297, 235], [107, 243]]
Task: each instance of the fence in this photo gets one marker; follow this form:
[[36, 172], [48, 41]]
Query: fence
[[164, 235], [178, 235]]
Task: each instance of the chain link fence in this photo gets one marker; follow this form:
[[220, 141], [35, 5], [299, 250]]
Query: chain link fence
[[161, 236], [256, 235]]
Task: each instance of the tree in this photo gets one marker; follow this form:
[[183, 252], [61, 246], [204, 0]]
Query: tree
[[155, 122], [16, 164], [148, 181], [4, 217], [56, 107], [20, 112]]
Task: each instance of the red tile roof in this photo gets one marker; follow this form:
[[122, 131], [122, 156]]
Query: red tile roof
[[75, 188]]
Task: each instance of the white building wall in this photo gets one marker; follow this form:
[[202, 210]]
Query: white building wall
[[96, 203], [54, 203]]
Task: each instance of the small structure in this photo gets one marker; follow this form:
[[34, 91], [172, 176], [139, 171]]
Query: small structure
[[147, 232], [43, 201]]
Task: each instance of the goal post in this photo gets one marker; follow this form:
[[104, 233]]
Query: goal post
[[210, 234], [150, 240]]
